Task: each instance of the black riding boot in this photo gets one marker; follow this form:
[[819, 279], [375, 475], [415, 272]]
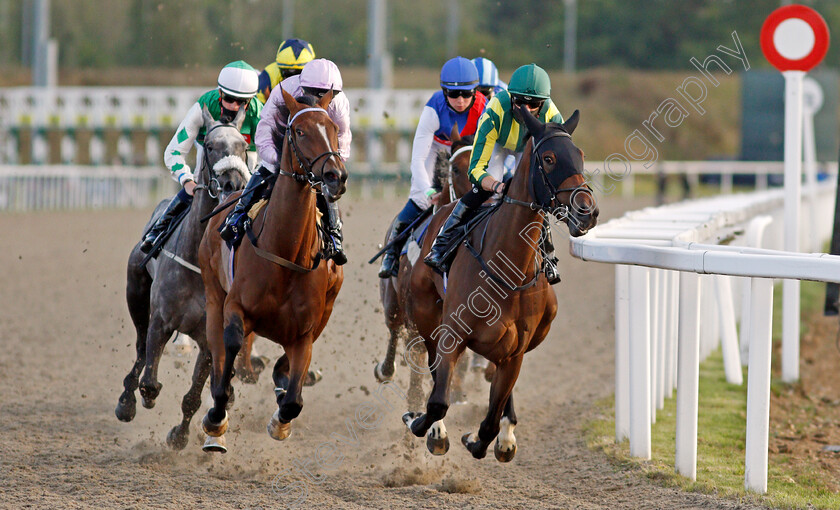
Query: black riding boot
[[179, 204], [550, 262], [457, 218], [390, 261], [232, 230], [332, 224]]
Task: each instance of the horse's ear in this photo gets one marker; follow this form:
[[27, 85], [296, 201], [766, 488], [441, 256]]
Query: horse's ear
[[240, 118], [455, 135], [531, 123], [571, 123], [291, 103], [326, 99], [205, 114]]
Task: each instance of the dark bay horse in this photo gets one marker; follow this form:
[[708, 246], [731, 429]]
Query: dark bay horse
[[167, 294], [280, 289], [451, 169], [496, 301]]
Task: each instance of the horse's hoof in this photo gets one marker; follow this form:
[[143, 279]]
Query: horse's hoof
[[470, 441], [380, 374], [437, 446], [215, 444], [149, 394], [176, 439], [409, 417], [126, 409], [214, 429], [277, 429], [312, 378], [504, 456]]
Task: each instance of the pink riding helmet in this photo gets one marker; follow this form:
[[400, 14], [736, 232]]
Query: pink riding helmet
[[321, 73]]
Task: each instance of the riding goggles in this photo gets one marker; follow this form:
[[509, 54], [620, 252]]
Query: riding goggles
[[234, 100], [486, 91], [319, 93], [454, 94], [530, 102]]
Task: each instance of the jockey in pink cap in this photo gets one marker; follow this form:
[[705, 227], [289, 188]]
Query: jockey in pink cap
[[318, 77]]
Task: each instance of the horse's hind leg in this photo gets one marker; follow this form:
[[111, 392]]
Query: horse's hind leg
[[280, 375], [247, 367], [500, 392], [384, 370], [290, 402], [178, 436], [137, 296], [158, 334]]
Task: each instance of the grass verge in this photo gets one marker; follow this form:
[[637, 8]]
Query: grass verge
[[793, 480]]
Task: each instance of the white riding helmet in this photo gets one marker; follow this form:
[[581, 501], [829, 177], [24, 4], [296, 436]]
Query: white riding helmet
[[238, 79], [321, 73]]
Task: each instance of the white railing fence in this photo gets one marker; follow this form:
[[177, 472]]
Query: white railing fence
[[679, 269], [132, 125], [57, 187]]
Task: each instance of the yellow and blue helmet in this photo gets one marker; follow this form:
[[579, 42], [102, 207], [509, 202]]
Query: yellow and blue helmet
[[293, 54]]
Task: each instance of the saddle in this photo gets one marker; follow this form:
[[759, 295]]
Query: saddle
[[460, 234]]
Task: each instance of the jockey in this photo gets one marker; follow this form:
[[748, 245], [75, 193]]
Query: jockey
[[456, 102], [237, 89], [499, 136], [292, 55], [319, 76], [489, 83]]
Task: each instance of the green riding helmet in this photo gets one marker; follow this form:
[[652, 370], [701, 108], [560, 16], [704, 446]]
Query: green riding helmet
[[530, 80]]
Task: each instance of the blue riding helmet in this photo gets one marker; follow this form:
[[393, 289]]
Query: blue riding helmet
[[458, 74], [488, 75]]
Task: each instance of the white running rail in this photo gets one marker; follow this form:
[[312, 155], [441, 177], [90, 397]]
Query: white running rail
[[674, 301]]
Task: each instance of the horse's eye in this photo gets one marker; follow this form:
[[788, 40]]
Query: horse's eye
[[548, 160], [299, 132], [208, 147]]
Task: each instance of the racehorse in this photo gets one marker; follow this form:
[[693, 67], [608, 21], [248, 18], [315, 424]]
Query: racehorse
[[167, 294], [451, 177], [496, 300], [276, 285]]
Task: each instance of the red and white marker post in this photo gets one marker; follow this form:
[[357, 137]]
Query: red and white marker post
[[794, 38]]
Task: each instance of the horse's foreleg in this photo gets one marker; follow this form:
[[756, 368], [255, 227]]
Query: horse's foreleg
[[438, 402], [178, 436], [505, 447], [500, 392], [290, 402], [224, 341], [157, 336]]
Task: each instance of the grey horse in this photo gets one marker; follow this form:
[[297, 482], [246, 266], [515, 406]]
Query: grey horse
[[167, 294]]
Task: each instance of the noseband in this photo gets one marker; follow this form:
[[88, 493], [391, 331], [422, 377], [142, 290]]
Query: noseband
[[308, 176]]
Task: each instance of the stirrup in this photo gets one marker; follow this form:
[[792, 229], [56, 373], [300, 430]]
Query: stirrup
[[333, 252], [551, 272]]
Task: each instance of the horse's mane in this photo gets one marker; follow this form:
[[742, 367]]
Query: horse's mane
[[440, 174]]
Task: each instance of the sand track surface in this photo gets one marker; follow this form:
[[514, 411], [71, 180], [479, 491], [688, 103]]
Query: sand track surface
[[68, 343]]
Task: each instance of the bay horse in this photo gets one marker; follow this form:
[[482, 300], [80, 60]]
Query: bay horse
[[496, 301], [451, 177], [166, 294], [279, 286]]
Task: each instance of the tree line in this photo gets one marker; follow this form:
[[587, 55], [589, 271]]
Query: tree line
[[638, 34]]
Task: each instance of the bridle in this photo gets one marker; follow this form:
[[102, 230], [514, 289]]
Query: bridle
[[560, 210], [454, 155], [308, 176], [213, 187]]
